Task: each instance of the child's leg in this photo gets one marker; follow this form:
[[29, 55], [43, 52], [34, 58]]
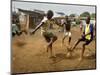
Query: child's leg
[[51, 49], [50, 38], [53, 39], [65, 35], [69, 40], [49, 46], [63, 39], [69, 34], [86, 43], [79, 40], [81, 57]]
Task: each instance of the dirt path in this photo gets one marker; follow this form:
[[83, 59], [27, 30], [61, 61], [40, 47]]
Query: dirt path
[[29, 55]]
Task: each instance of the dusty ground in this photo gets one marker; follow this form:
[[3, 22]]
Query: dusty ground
[[29, 54]]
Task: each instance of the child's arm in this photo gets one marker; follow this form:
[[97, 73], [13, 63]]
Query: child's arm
[[37, 27], [41, 23]]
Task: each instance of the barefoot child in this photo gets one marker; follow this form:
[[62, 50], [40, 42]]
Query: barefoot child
[[87, 36], [67, 32], [47, 34]]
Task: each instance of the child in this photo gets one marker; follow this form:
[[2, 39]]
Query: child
[[23, 20], [87, 36], [67, 32], [15, 28], [47, 34], [81, 26]]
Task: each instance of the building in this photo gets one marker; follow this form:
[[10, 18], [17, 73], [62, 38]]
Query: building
[[31, 18]]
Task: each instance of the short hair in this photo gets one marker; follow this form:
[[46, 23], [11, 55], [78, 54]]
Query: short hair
[[50, 14]]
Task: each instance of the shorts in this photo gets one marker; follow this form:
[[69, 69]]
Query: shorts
[[48, 36], [86, 40], [67, 34]]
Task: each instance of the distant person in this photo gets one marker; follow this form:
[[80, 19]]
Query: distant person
[[61, 25], [49, 36], [87, 36], [67, 28], [15, 29], [23, 23], [81, 26]]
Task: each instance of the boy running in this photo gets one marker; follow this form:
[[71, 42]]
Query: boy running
[[67, 32], [47, 34]]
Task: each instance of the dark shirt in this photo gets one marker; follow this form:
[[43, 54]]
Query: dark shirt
[[67, 25]]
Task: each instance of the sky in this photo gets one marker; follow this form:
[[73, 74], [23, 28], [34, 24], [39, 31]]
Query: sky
[[65, 8]]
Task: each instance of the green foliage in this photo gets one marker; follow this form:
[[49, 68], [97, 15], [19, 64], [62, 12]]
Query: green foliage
[[93, 15], [72, 15], [85, 14], [77, 21]]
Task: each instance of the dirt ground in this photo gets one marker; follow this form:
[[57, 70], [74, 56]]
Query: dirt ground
[[29, 54]]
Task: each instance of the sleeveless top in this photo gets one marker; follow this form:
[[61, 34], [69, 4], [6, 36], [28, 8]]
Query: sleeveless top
[[46, 25], [89, 29]]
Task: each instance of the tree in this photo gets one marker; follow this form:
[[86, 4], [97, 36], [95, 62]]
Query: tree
[[72, 15], [85, 14], [93, 15]]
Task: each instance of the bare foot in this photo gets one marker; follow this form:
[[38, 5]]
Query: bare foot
[[53, 56], [80, 59]]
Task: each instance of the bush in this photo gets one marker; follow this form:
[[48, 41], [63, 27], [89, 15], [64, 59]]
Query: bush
[[77, 21]]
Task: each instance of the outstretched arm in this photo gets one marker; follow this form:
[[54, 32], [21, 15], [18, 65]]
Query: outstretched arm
[[37, 27]]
